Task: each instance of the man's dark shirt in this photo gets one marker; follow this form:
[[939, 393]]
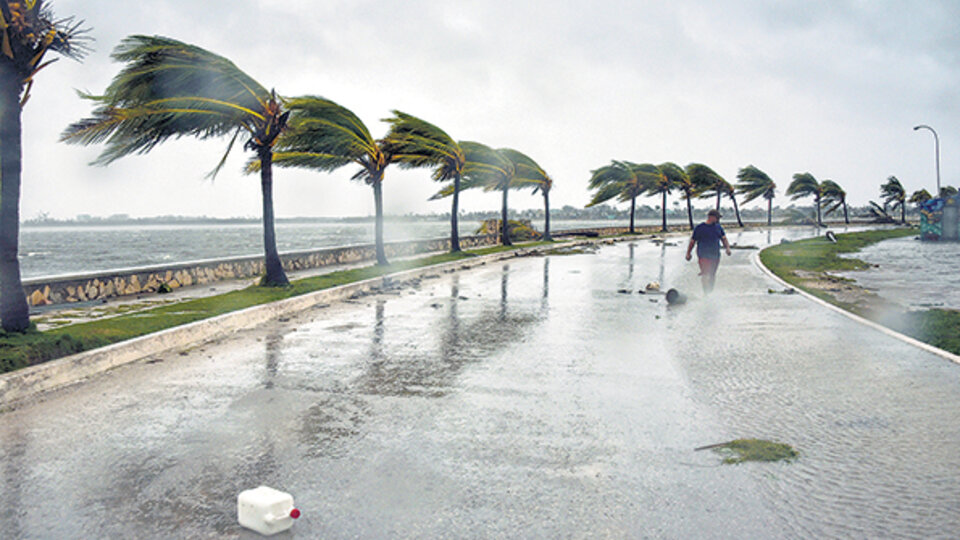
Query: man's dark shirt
[[708, 240]]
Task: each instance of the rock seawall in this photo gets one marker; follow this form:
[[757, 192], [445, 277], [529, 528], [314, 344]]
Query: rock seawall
[[150, 280]]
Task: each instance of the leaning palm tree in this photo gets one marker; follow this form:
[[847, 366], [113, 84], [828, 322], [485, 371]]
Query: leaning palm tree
[[707, 181], [28, 31], [621, 179], [416, 143], [754, 183], [835, 198], [948, 191], [805, 185], [919, 197], [893, 194], [487, 169], [728, 190], [325, 136], [530, 173], [658, 184], [169, 89], [680, 180]]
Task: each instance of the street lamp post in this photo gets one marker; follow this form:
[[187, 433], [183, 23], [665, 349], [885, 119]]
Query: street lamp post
[[936, 140]]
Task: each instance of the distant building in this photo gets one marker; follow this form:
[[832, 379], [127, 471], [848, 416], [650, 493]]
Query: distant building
[[940, 219]]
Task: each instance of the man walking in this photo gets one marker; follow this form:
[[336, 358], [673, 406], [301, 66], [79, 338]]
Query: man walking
[[708, 236]]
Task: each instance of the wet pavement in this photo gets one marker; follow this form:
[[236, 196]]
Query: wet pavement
[[522, 399]]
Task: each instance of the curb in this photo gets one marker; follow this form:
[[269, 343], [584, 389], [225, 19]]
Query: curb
[[947, 355], [23, 384]]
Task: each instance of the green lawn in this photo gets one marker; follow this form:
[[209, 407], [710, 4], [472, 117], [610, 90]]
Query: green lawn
[[34, 347], [938, 327]]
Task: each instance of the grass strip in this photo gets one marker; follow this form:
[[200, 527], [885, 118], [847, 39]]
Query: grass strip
[[34, 347], [815, 258]]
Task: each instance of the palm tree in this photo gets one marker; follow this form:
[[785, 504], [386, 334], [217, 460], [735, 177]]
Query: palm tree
[[489, 170], [28, 31], [805, 185], [530, 173], [892, 193], [948, 191], [681, 180], [169, 89], [325, 136], [658, 184], [621, 179], [754, 183], [919, 197], [729, 191], [706, 180], [834, 195], [416, 143]]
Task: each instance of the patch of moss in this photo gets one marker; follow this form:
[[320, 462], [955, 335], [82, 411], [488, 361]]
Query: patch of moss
[[743, 450]]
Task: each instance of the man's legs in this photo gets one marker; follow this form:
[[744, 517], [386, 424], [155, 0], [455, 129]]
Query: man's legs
[[708, 273]]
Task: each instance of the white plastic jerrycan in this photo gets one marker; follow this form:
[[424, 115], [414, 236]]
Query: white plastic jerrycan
[[266, 510]]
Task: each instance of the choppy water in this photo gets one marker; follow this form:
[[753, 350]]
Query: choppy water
[[912, 273], [51, 251]]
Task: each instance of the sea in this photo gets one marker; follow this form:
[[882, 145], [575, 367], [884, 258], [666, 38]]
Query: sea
[[47, 251]]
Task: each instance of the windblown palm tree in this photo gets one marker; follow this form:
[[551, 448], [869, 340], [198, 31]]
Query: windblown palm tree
[[805, 185], [919, 197], [169, 89], [835, 198], [624, 180], [707, 181], [658, 184], [325, 136], [728, 190], [490, 170], [894, 195], [948, 191], [28, 31], [681, 180], [416, 143], [530, 173], [754, 183]]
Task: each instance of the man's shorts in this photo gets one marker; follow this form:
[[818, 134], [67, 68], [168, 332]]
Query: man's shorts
[[708, 267]]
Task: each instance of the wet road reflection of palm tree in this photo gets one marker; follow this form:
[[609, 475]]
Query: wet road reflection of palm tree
[[545, 297]]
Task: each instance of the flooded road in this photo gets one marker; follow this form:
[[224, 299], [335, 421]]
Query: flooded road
[[522, 399]]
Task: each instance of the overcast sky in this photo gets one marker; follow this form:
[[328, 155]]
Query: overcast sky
[[833, 88]]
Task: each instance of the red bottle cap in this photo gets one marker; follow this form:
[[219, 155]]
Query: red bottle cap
[[295, 513]]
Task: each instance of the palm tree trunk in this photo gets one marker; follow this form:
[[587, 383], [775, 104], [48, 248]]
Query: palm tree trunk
[[736, 210], [378, 219], [689, 211], [719, 191], [546, 216], [769, 212], [504, 224], [633, 212], [663, 212], [14, 312], [454, 223], [846, 217], [903, 213], [275, 276], [819, 220]]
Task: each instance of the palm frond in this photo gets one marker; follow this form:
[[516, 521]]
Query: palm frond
[[414, 143], [804, 185], [168, 88], [754, 183]]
